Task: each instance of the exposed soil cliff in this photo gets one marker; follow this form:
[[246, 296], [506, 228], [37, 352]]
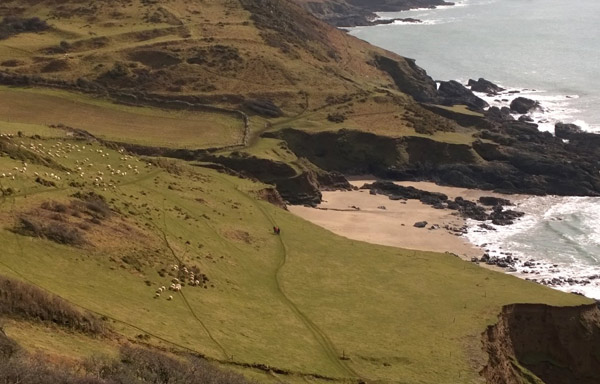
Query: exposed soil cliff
[[535, 343]]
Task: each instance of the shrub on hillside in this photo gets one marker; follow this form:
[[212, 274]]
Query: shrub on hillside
[[8, 347], [56, 231], [141, 365], [134, 365], [11, 26], [22, 300], [36, 370], [92, 204]]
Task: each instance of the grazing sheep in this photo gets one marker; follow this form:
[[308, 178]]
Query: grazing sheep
[[157, 295], [175, 280], [170, 297]]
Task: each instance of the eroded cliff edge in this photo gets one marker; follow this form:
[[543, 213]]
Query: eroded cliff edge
[[537, 343]]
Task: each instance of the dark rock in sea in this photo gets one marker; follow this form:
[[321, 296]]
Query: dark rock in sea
[[470, 209], [580, 141], [523, 105], [526, 119], [420, 224], [410, 20], [485, 86], [499, 114], [566, 131], [362, 12], [492, 201], [391, 21], [486, 227], [452, 92]]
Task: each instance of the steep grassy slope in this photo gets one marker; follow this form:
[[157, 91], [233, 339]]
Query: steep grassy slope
[[306, 301]]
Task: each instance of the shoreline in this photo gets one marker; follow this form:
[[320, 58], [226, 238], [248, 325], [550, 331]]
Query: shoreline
[[361, 215], [375, 218], [556, 105]]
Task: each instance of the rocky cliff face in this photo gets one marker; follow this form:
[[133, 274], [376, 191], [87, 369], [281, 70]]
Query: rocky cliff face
[[535, 343], [514, 158], [350, 13]]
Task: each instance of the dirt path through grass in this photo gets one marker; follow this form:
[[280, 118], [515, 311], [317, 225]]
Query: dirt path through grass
[[317, 333]]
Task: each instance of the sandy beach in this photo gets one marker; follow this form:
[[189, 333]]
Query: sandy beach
[[394, 224]]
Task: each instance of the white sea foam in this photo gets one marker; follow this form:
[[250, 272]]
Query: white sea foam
[[553, 108], [557, 240]]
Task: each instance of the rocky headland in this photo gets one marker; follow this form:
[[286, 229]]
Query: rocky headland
[[352, 13]]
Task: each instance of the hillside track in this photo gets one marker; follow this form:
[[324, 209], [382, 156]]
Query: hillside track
[[319, 335], [226, 361], [226, 355]]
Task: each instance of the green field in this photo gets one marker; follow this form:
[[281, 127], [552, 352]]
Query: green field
[[120, 123], [306, 301]]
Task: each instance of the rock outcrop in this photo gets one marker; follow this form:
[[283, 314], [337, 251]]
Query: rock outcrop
[[515, 158], [409, 78], [452, 92], [351, 13], [485, 86], [523, 105]]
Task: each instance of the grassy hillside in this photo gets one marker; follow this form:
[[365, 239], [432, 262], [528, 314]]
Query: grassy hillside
[[227, 54], [306, 301], [83, 219]]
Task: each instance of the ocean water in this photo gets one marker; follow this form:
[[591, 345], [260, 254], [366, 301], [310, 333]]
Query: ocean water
[[549, 46], [548, 50]]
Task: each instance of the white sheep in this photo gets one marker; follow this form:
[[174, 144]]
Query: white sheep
[[170, 297], [157, 295]]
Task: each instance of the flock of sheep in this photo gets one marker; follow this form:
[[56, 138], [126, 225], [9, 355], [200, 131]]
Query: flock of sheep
[[83, 168], [176, 283], [61, 150]]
